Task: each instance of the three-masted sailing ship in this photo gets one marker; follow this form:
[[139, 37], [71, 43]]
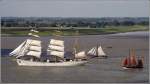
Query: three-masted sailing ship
[[29, 53], [132, 61]]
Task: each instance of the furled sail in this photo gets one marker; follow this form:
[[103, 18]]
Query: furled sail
[[80, 55], [57, 42], [92, 51], [100, 51], [17, 50]]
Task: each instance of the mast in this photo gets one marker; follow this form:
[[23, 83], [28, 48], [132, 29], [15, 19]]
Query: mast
[[133, 58], [34, 48], [55, 46], [29, 47], [97, 51], [76, 46], [129, 62], [79, 55]]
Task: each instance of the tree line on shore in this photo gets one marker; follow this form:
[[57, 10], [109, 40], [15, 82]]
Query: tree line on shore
[[72, 22]]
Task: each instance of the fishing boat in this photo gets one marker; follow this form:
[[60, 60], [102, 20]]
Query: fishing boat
[[97, 52], [131, 61], [29, 53]]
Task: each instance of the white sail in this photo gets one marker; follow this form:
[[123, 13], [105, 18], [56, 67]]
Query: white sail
[[16, 51], [34, 42], [57, 42], [35, 48], [92, 51], [80, 55], [58, 48], [23, 49], [30, 45], [34, 53], [55, 53], [100, 51]]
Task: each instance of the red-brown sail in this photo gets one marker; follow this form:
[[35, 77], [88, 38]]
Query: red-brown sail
[[133, 59], [125, 62], [132, 62], [128, 62]]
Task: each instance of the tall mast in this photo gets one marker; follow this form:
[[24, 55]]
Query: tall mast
[[56, 46], [77, 54], [34, 44], [129, 57], [133, 58], [76, 46], [97, 50]]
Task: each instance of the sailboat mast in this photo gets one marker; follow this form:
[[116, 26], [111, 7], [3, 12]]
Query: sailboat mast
[[97, 50], [76, 47], [129, 63], [57, 36]]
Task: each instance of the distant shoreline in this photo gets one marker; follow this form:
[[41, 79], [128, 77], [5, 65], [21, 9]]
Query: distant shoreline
[[117, 33], [72, 31]]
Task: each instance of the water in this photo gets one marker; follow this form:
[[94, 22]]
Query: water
[[95, 71], [5, 52]]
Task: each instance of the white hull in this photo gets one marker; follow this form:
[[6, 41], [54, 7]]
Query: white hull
[[21, 62]]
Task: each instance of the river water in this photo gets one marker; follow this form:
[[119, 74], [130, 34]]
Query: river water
[[97, 70]]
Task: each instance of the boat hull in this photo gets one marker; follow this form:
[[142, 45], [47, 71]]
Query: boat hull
[[21, 62], [135, 67]]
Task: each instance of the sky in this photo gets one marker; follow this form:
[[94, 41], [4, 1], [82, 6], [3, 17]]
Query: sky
[[74, 8]]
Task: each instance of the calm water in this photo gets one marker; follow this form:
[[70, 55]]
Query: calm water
[[95, 71]]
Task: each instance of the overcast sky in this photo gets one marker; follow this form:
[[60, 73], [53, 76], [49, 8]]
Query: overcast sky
[[72, 8]]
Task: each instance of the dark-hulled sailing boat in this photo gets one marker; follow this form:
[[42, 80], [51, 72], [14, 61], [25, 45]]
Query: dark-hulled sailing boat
[[132, 61]]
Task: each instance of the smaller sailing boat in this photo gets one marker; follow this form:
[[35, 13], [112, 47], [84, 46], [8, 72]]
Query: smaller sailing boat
[[132, 61], [96, 52]]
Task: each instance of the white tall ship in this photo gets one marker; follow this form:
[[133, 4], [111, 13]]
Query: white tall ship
[[29, 53]]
